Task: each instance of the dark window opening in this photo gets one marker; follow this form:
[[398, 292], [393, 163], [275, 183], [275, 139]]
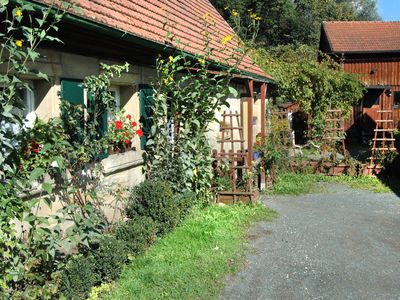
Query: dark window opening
[[396, 99]]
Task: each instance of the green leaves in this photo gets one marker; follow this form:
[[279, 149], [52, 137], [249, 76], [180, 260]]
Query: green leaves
[[233, 91], [317, 85], [36, 173]]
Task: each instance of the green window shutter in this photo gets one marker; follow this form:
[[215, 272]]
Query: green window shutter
[[72, 91], [146, 112]]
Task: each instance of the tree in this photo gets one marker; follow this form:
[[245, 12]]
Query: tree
[[297, 21], [367, 10], [318, 86]]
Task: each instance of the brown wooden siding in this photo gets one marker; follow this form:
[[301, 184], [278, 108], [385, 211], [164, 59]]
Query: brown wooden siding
[[374, 72]]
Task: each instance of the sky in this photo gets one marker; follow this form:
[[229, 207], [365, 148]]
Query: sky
[[389, 10]]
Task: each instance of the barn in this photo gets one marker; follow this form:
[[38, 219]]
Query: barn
[[371, 50]]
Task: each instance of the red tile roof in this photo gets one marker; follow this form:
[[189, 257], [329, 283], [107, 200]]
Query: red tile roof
[[147, 19], [358, 36]]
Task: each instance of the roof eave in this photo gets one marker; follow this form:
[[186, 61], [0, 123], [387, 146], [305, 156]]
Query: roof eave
[[366, 52], [130, 37]]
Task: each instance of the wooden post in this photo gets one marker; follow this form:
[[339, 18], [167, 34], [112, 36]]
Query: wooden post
[[263, 108], [250, 121]]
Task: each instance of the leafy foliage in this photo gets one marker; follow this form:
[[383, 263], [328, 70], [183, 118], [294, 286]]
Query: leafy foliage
[[297, 21], [186, 97], [318, 86], [55, 158], [109, 255], [154, 199], [138, 234], [78, 277]]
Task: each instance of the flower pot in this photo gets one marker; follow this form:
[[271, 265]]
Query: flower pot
[[120, 148]]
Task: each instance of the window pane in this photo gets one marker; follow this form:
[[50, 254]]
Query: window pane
[[396, 99]]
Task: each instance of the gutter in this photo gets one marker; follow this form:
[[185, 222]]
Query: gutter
[[129, 37]]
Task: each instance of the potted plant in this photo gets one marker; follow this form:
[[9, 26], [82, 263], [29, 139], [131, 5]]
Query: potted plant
[[121, 132], [258, 147]]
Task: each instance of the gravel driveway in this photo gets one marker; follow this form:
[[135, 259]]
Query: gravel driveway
[[342, 244]]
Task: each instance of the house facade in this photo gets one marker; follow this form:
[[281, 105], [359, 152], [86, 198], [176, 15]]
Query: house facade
[[136, 32], [371, 50]]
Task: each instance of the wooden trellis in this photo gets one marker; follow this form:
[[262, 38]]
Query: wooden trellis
[[334, 133], [236, 158], [383, 140]]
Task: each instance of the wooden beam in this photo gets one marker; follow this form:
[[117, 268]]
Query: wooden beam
[[250, 121], [263, 111], [263, 108]]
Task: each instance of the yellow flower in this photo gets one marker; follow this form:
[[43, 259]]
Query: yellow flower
[[253, 15], [205, 16], [234, 13], [18, 12], [226, 39], [226, 7], [18, 43], [165, 81], [250, 173], [171, 59], [258, 18], [202, 61]]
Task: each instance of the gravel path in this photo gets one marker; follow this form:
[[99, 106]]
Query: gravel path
[[343, 244]]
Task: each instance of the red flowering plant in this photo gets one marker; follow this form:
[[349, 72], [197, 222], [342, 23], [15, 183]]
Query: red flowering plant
[[259, 143], [122, 129]]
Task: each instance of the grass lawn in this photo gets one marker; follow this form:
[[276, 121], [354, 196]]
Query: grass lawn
[[192, 261], [299, 184]]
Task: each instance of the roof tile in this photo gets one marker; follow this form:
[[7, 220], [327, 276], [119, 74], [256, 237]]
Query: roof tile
[[363, 36], [153, 19]]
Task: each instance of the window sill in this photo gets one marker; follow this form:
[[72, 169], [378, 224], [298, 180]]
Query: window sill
[[122, 161]]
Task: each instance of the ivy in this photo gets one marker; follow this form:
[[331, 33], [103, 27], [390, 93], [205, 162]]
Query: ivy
[[314, 79]]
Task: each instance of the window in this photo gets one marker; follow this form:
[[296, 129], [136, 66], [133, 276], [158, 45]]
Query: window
[[396, 99], [29, 101], [117, 97], [146, 112]]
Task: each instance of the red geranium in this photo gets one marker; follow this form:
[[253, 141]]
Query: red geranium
[[118, 124], [129, 117], [127, 142], [35, 147], [134, 124], [139, 132]]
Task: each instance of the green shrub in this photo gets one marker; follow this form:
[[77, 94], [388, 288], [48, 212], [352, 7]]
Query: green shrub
[[185, 201], [138, 233], [110, 255], [78, 277], [154, 199]]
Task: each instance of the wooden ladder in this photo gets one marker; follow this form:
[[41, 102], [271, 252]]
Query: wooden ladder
[[236, 155], [334, 132], [383, 140]]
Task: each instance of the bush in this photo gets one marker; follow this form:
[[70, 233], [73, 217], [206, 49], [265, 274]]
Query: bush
[[154, 199], [185, 202], [138, 234], [109, 255], [78, 277]]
